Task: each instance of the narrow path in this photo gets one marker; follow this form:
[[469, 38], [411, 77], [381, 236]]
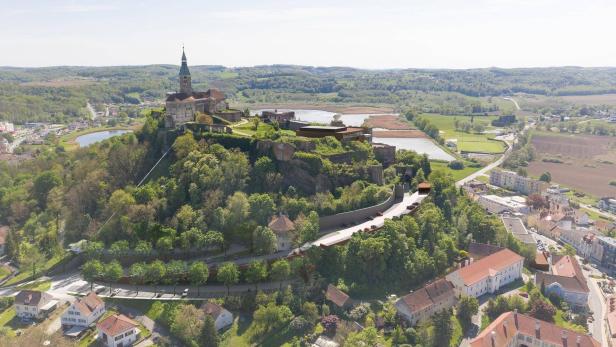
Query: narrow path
[[514, 102]]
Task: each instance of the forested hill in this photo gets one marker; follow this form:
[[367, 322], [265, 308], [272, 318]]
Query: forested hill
[[61, 90]]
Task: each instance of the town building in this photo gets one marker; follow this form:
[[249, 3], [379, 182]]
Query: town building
[[84, 311], [337, 297], [566, 280], [515, 329], [341, 133], [183, 106], [498, 204], [487, 275], [222, 317], [556, 196], [607, 204], [512, 181], [603, 252], [33, 304], [279, 117], [118, 330], [580, 239], [516, 227], [426, 301], [475, 187], [283, 227], [7, 127]]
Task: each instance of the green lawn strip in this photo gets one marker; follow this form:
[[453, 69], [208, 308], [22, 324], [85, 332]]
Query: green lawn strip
[[8, 319], [38, 285], [467, 141], [485, 321], [236, 335], [456, 174], [457, 334], [561, 322], [26, 274]]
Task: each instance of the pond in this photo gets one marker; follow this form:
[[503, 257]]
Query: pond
[[419, 145], [88, 139], [323, 117]]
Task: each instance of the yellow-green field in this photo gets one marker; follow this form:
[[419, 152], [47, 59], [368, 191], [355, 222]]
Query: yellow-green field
[[456, 174], [467, 141]]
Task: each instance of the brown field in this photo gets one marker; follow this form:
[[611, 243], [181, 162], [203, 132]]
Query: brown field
[[583, 158], [601, 99], [59, 83], [391, 122], [345, 109]]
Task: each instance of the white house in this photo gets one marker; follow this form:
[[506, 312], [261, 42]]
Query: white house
[[488, 274], [497, 204], [33, 304], [222, 317], [565, 280], [117, 331], [84, 311]]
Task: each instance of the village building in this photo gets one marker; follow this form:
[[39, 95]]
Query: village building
[[516, 227], [487, 275], [283, 227], [556, 196], [512, 181], [275, 116], [341, 133], [84, 311], [337, 296], [118, 330], [498, 204], [426, 301], [565, 280], [183, 106], [222, 317], [33, 304], [580, 239], [603, 252], [516, 329], [607, 204]]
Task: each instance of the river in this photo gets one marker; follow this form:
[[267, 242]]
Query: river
[[88, 139]]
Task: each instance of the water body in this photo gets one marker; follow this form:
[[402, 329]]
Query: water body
[[418, 145], [322, 117], [88, 139]]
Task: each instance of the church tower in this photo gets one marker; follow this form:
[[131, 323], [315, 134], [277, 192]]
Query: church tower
[[185, 83]]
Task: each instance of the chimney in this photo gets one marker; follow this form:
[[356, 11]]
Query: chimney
[[537, 329], [564, 337], [515, 318], [493, 336]]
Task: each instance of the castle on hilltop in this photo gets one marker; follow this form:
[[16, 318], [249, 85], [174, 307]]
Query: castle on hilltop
[[183, 106]]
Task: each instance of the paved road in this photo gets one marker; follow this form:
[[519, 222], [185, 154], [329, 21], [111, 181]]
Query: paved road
[[485, 169]]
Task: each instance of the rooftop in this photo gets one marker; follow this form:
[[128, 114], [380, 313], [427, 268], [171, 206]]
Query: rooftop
[[281, 224], [212, 309], [491, 264], [336, 295], [88, 303], [116, 324], [565, 271], [428, 295]]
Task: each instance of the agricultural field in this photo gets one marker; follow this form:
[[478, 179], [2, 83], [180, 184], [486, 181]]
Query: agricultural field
[[467, 142], [584, 162]]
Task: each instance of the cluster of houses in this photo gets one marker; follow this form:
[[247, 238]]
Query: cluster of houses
[[113, 330]]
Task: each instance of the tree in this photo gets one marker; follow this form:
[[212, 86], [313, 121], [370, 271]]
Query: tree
[[187, 323], [30, 256], [137, 274], [310, 311], [183, 145], [209, 335], [542, 310], [262, 208], [270, 317], [113, 272], [256, 272], [569, 250], [175, 270], [228, 274], [143, 248], [92, 270], [444, 327], [198, 274], [264, 240], [156, 272], [468, 306], [536, 201], [280, 271], [546, 177], [43, 183], [366, 337], [119, 248], [307, 228]]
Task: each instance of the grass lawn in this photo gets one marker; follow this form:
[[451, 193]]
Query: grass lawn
[[247, 129], [4, 271], [561, 322], [238, 336], [457, 174], [38, 285], [9, 320], [27, 273], [467, 142]]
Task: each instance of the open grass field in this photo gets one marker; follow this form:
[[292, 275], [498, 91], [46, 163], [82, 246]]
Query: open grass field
[[587, 163], [600, 99], [456, 174], [467, 142]]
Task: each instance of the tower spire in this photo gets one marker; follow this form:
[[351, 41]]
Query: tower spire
[[185, 80]]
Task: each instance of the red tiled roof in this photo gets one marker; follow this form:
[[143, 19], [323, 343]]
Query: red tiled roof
[[88, 303], [116, 324], [567, 272], [281, 224], [424, 185], [428, 295], [509, 324], [541, 259], [210, 93], [480, 250], [482, 268], [212, 309], [336, 295]]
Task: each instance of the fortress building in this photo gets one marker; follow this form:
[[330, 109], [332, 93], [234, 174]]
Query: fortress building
[[183, 106]]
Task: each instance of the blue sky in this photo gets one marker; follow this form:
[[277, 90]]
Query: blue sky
[[365, 34]]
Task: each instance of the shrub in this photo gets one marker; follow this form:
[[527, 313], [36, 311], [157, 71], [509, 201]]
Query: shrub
[[456, 165], [330, 323], [359, 313], [6, 302], [300, 325], [315, 163]]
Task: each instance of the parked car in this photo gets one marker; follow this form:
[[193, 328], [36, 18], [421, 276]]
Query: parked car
[[185, 293]]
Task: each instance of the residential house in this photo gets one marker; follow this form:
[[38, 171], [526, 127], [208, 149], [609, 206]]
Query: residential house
[[516, 329], [487, 275], [283, 227], [33, 304], [603, 252], [84, 311], [222, 317], [566, 280], [118, 330], [498, 204], [337, 297], [516, 227], [512, 181], [426, 301]]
